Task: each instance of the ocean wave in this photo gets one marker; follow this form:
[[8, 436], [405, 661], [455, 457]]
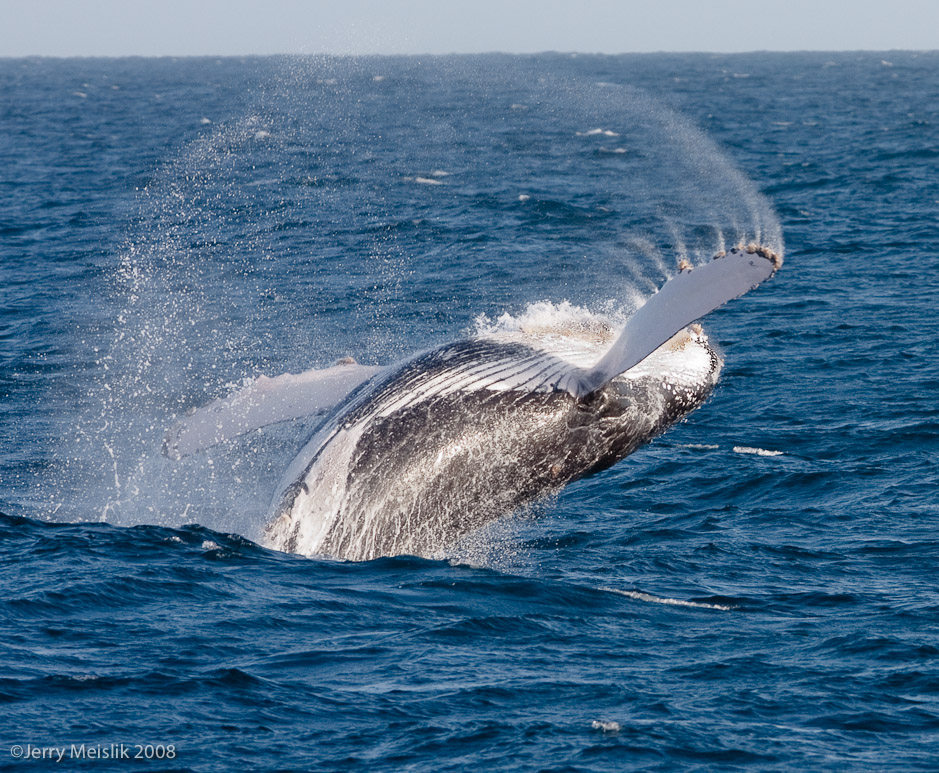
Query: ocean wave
[[598, 132], [756, 451], [653, 599]]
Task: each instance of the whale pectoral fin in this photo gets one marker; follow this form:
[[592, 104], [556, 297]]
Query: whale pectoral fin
[[265, 401], [687, 296]]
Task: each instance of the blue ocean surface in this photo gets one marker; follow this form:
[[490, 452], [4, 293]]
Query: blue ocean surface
[[757, 589]]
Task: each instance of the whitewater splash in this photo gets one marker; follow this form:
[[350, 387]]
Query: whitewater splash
[[296, 236]]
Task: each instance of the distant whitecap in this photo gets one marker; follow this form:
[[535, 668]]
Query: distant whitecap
[[598, 131], [756, 451], [652, 599]]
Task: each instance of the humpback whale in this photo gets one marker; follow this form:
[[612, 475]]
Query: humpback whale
[[413, 456]]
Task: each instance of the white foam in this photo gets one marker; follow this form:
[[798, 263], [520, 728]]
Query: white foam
[[653, 599], [756, 451], [563, 330], [563, 318], [605, 726], [580, 337], [427, 181], [523, 197], [210, 545], [596, 132]]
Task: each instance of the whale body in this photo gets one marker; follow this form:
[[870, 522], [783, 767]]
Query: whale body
[[410, 466], [412, 457]]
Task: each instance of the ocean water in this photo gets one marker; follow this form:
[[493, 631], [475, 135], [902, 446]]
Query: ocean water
[[757, 589]]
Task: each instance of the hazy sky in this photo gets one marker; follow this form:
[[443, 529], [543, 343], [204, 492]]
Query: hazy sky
[[181, 27]]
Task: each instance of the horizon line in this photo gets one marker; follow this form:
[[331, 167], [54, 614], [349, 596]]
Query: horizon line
[[546, 52]]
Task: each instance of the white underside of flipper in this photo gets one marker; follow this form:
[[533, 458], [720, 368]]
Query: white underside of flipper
[[263, 402], [686, 297]]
